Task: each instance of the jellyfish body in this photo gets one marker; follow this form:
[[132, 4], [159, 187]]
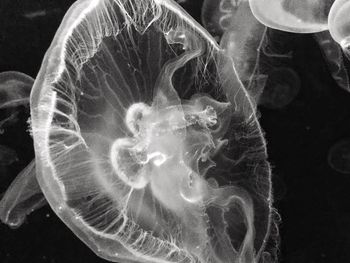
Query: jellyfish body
[[339, 22], [15, 88], [339, 156], [147, 144], [241, 36], [333, 55], [282, 86], [24, 194], [298, 16]]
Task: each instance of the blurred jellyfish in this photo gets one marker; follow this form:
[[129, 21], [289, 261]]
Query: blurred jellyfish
[[23, 197], [333, 55], [298, 16], [339, 24], [24, 194], [282, 86], [241, 36], [15, 89], [339, 156], [7, 155], [147, 145]]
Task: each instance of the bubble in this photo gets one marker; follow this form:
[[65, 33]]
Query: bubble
[[147, 145], [339, 156], [298, 16], [22, 198], [282, 86], [339, 21]]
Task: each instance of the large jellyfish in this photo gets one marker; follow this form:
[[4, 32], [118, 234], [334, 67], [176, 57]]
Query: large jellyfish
[[147, 145]]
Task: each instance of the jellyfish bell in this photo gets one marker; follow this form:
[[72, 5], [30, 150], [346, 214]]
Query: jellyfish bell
[[297, 16], [339, 21], [146, 143], [333, 55]]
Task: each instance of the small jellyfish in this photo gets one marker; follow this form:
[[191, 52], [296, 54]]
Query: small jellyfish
[[282, 86], [339, 156], [298, 16], [333, 55], [7, 155], [147, 146], [339, 24]]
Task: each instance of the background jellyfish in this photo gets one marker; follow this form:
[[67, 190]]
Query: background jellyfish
[[149, 156], [282, 86], [339, 21], [242, 37], [297, 16], [334, 56], [339, 157], [24, 194]]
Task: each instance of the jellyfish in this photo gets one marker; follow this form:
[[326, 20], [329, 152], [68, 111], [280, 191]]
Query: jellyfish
[[24, 194], [147, 145], [297, 16], [339, 156], [339, 21], [7, 155], [333, 55], [15, 89], [241, 35], [282, 86]]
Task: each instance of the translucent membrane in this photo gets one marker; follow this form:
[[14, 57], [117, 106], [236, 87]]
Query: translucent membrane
[[7, 155], [23, 197], [339, 156], [242, 37], [24, 194], [15, 89], [298, 16], [339, 24], [282, 86], [147, 145], [333, 55]]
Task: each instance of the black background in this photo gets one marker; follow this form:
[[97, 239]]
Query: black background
[[313, 199]]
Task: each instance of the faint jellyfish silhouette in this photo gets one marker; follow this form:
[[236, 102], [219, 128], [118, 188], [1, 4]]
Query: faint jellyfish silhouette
[[147, 145], [7, 155], [23, 197], [333, 55], [24, 194], [339, 156], [339, 24], [298, 16], [15, 89], [241, 35], [282, 86]]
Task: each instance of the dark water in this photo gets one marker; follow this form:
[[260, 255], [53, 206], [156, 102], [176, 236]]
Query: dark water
[[312, 198]]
